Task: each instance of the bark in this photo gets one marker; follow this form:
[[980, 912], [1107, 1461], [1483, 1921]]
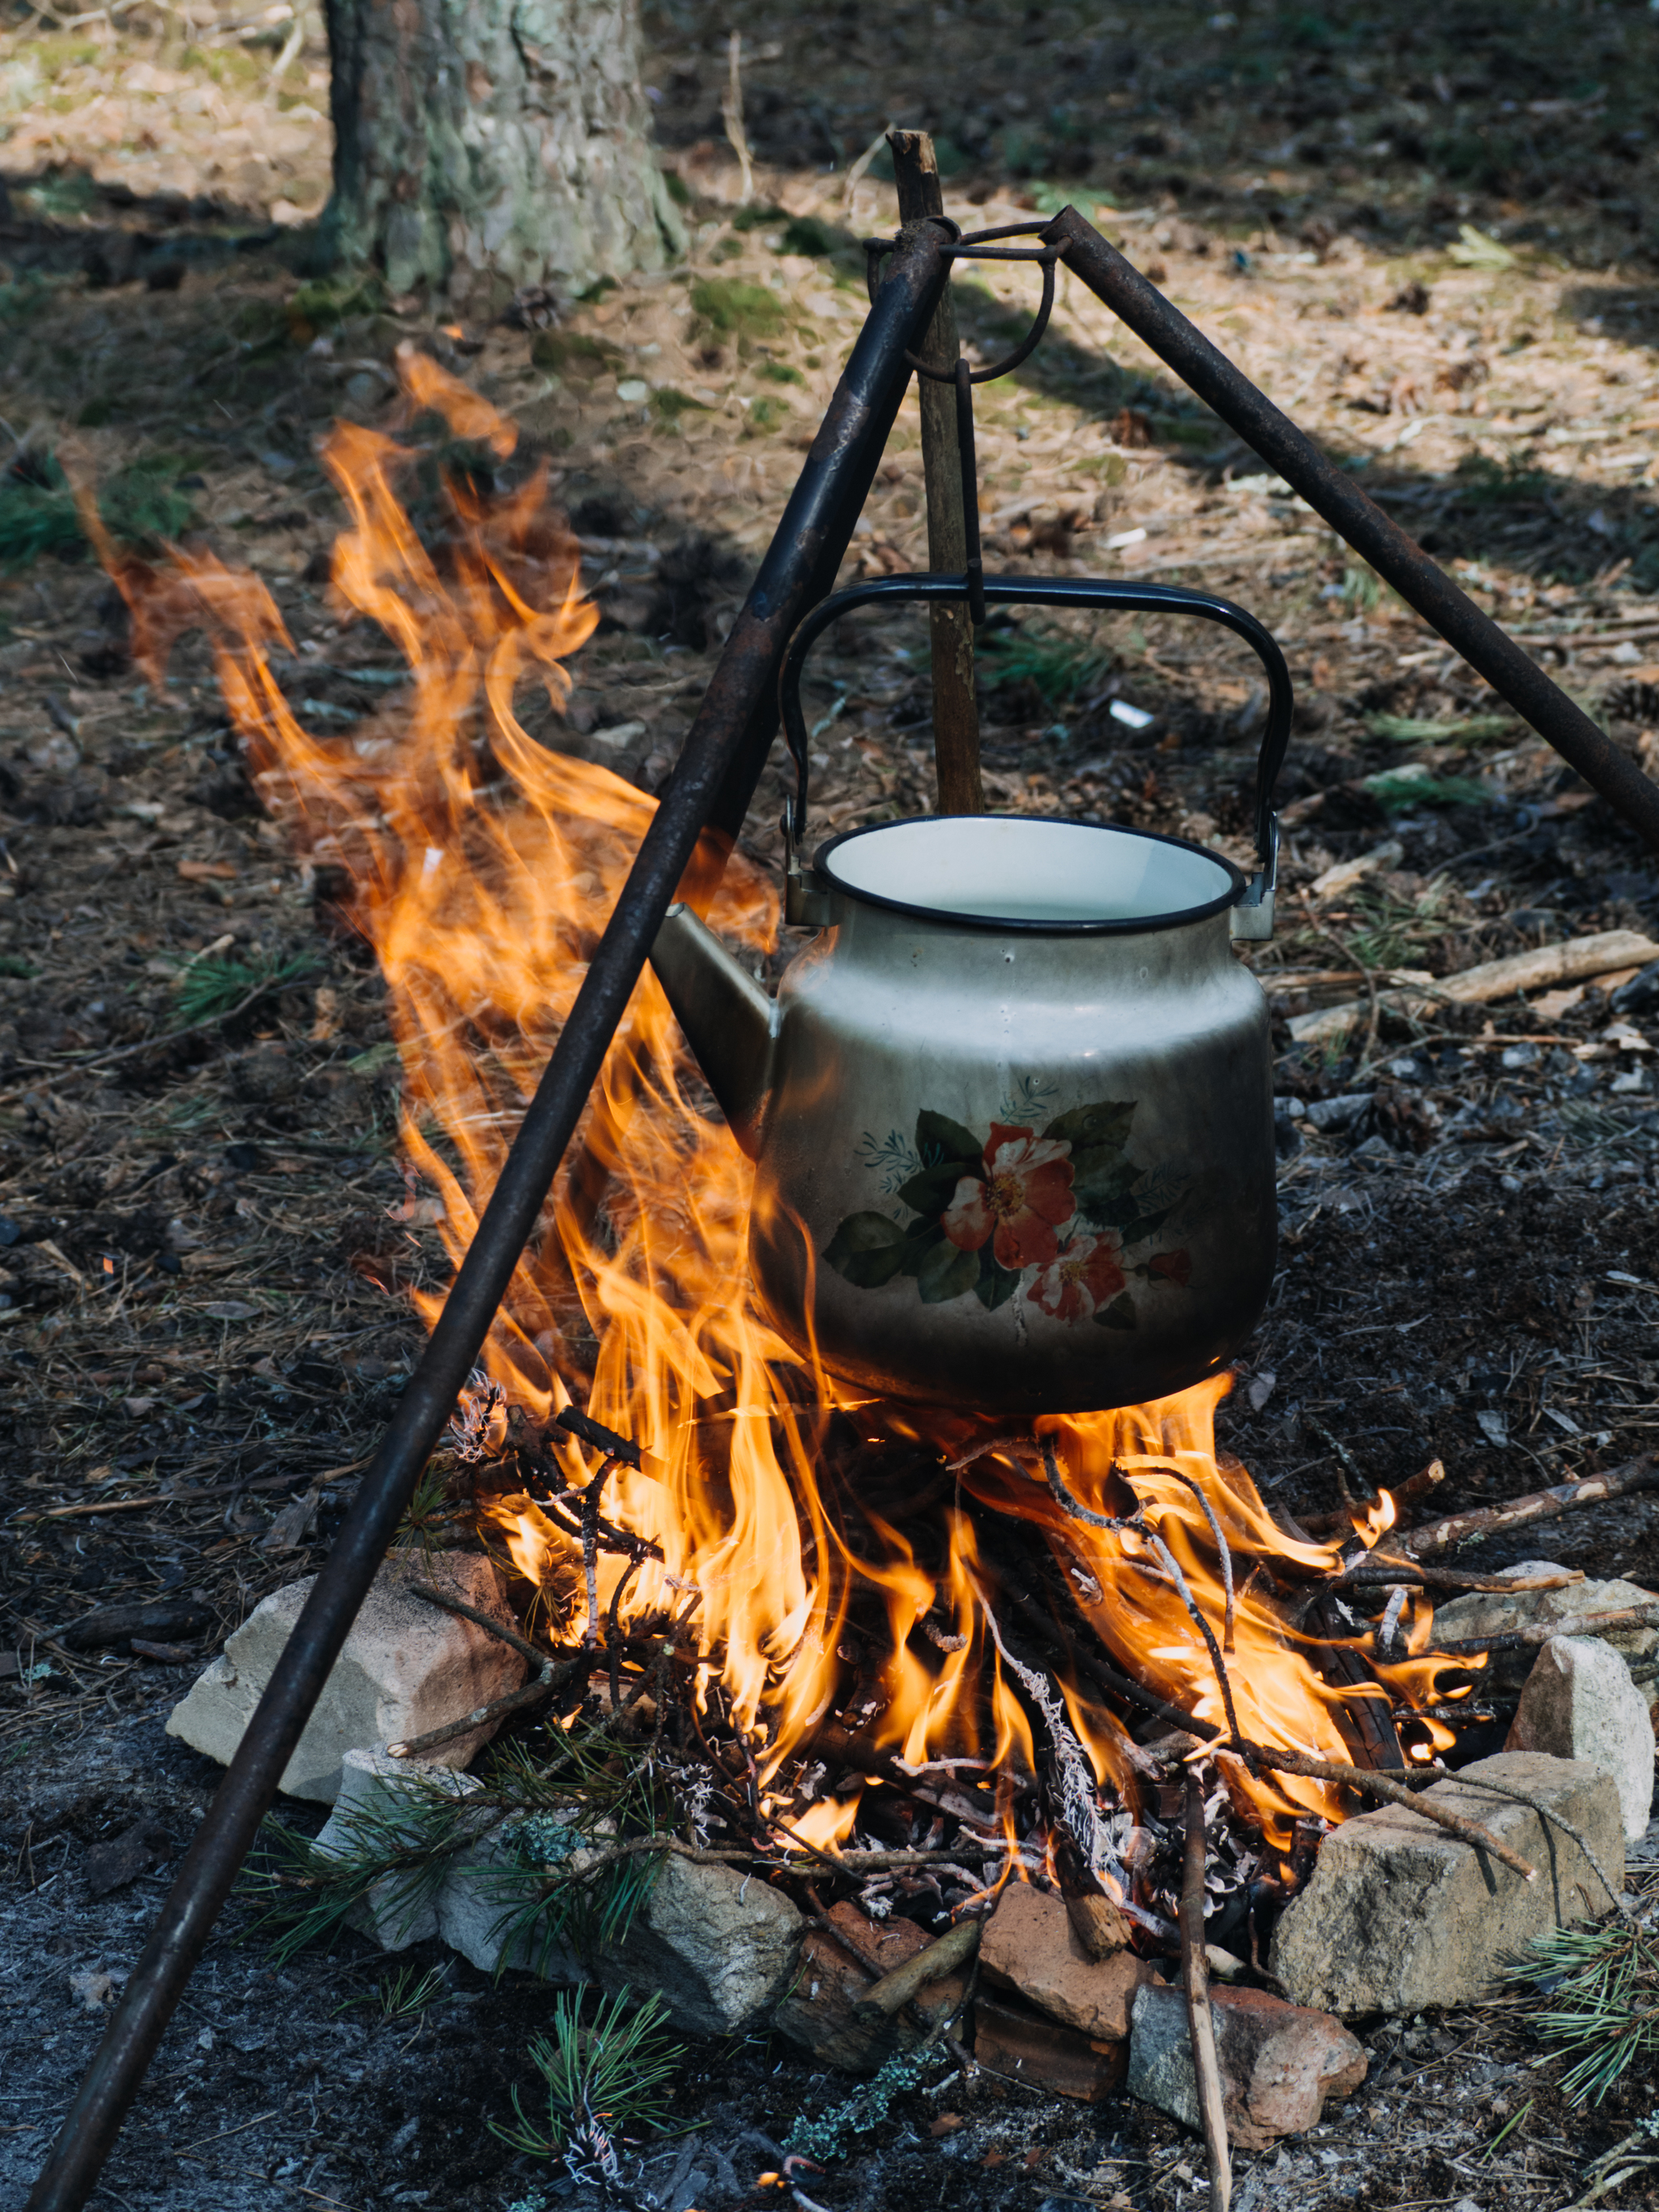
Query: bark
[[485, 146]]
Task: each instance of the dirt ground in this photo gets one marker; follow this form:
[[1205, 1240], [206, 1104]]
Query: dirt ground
[[1435, 242]]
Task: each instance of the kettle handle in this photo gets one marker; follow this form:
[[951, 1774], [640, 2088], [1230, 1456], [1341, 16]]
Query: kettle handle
[[1254, 917]]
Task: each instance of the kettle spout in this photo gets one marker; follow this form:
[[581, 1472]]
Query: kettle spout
[[729, 1022]]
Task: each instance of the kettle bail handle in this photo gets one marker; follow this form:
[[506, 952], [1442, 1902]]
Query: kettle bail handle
[[1253, 916]]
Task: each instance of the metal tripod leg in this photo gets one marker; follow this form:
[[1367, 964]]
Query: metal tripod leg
[[1510, 670]]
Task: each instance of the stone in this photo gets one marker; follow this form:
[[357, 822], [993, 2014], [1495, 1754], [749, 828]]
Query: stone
[[1580, 1702], [1491, 1613], [482, 1891], [1278, 2062], [721, 1945], [1023, 2046], [406, 1667], [1400, 1914], [1030, 1946], [817, 2011], [377, 1800]]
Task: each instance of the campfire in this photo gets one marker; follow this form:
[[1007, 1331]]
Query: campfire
[[901, 1654]]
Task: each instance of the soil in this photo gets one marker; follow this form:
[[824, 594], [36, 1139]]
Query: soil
[[1432, 241]]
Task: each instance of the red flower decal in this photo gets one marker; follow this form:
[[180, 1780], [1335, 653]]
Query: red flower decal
[[1023, 1190], [1175, 1267], [1086, 1276]]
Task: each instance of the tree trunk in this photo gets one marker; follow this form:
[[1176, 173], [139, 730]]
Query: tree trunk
[[483, 146]]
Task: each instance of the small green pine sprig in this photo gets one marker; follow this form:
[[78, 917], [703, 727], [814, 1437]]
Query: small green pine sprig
[[1602, 1987], [604, 2081]]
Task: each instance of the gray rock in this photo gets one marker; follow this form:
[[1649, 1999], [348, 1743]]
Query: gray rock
[[1580, 1702], [483, 1893], [406, 1667], [1278, 2062], [1400, 1914], [378, 1800], [721, 1945], [1492, 1612]]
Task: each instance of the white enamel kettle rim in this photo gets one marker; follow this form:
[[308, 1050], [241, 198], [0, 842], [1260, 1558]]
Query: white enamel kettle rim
[[807, 895], [1031, 872]]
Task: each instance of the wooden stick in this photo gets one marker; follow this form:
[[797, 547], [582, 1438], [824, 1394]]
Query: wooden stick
[[885, 1997], [1415, 1486], [955, 710], [503, 1631], [1195, 1973], [1096, 1923], [1377, 1573], [1375, 1785], [417, 1746], [1545, 1632], [1460, 1528], [1550, 1816], [1575, 960]]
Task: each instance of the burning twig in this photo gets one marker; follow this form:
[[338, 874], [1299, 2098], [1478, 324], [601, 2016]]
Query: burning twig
[[1460, 1528], [1108, 1678], [837, 1744], [1195, 1977], [1415, 1486], [1386, 1630], [1222, 1552], [1137, 1525], [1077, 1782], [1019, 1444], [593, 1432]]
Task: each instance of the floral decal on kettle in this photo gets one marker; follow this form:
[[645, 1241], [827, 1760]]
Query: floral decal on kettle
[[1057, 1211]]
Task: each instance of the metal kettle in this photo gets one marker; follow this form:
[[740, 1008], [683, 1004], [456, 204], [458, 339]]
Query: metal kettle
[[1011, 1110]]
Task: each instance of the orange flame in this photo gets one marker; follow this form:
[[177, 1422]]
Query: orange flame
[[484, 866]]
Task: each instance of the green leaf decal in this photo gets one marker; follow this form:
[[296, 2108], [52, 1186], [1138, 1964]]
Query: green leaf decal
[[1121, 1314], [932, 1191], [1142, 1225], [946, 1273], [996, 1285], [920, 1239], [1084, 1127], [867, 1249], [1102, 1183], [940, 1140]]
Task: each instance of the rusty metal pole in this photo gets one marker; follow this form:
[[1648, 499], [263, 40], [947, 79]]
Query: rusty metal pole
[[951, 627], [1331, 492]]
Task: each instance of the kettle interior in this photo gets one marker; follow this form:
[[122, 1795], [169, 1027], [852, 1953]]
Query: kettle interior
[[1002, 869]]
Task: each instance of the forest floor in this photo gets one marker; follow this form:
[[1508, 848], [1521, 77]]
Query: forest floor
[[1434, 243]]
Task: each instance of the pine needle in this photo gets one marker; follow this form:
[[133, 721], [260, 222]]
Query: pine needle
[[601, 2081], [210, 989], [1603, 1987], [141, 505]]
